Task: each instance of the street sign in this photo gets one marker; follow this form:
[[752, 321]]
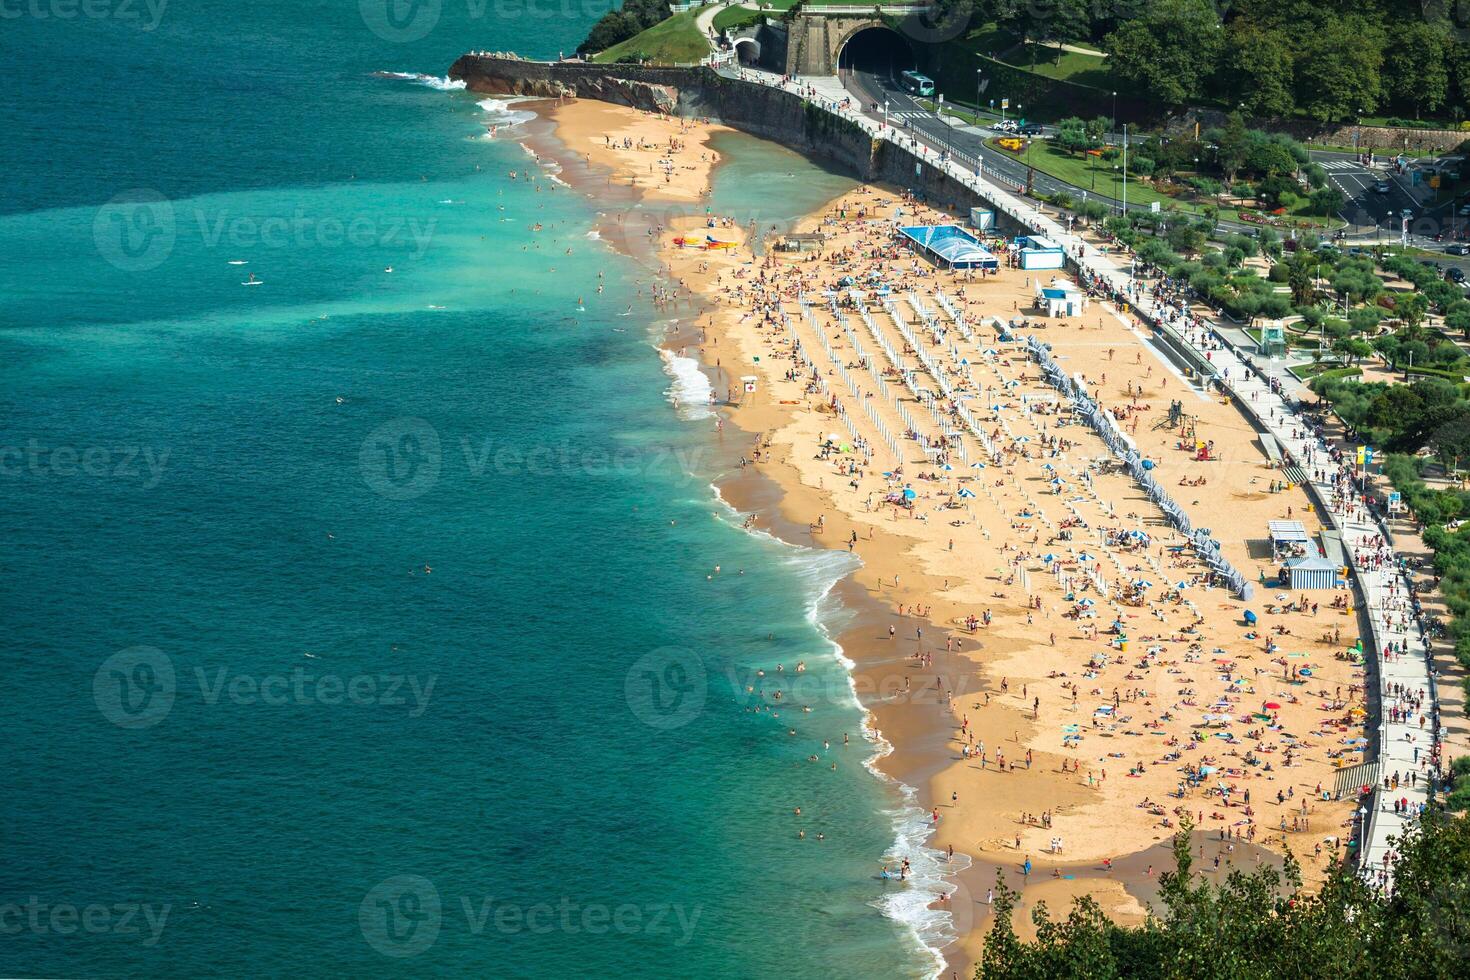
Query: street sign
[[1005, 103], [1154, 207]]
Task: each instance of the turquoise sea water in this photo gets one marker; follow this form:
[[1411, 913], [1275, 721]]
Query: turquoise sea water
[[366, 623]]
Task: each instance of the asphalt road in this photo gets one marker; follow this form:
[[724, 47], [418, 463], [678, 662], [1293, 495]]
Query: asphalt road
[[1371, 216], [907, 114]]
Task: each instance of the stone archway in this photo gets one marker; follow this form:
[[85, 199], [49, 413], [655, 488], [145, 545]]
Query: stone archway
[[747, 50]]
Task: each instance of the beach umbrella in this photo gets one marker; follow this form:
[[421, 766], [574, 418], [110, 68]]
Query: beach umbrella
[[966, 492], [1271, 706], [908, 494]]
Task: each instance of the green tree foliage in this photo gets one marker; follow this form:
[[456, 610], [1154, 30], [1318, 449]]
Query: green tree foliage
[[1330, 60], [1261, 925], [617, 26], [1077, 136], [1258, 70], [1339, 68], [1326, 200], [1416, 71], [1170, 50]]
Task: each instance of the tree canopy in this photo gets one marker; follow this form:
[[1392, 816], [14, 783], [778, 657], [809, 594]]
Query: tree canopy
[[1262, 925]]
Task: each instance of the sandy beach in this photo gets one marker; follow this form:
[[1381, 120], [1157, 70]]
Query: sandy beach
[[1054, 670]]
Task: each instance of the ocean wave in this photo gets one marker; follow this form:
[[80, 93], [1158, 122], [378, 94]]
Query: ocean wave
[[430, 81], [691, 390], [502, 114], [912, 906]]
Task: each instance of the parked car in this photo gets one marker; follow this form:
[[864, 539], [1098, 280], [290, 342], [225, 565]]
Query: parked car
[[1004, 126], [1031, 129], [1458, 249], [1455, 274]]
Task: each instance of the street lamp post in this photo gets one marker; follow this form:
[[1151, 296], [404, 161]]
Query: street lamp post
[[1113, 119], [1125, 170], [979, 73]]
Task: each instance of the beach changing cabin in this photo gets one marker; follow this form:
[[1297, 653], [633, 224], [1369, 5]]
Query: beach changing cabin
[[1313, 572], [1038, 252], [1060, 297], [982, 219]]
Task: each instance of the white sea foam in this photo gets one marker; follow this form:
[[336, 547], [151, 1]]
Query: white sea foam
[[430, 81], [503, 114], [691, 389], [909, 904]]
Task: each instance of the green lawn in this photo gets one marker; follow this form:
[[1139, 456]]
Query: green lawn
[[673, 41], [1084, 69], [736, 16], [989, 40]]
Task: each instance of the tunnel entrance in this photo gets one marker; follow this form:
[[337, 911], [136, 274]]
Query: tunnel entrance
[[876, 51], [748, 50]]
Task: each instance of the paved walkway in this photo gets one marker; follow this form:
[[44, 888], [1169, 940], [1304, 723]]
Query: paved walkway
[[1402, 747], [705, 19]]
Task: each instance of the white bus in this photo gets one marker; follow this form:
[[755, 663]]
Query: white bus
[[918, 84]]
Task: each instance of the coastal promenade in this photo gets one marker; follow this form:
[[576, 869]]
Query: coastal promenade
[[1404, 738]]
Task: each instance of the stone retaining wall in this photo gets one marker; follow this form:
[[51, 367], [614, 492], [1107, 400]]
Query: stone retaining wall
[[781, 116]]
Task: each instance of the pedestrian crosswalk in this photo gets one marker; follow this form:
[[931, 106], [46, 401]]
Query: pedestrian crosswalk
[[909, 114], [1340, 165]]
